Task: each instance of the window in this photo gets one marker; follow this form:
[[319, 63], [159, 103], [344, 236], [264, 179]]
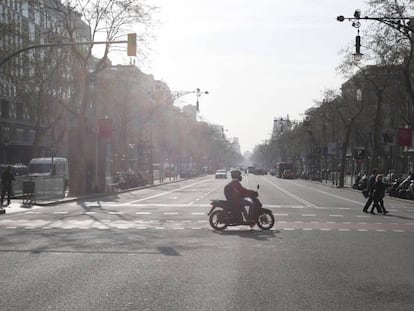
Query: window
[[32, 134], [19, 111], [5, 109], [25, 9], [5, 132], [19, 134]]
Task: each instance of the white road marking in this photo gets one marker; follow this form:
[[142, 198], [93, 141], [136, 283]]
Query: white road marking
[[162, 194], [283, 206], [290, 194], [332, 208], [143, 213], [328, 194]]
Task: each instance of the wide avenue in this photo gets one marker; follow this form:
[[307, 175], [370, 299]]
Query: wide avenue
[[153, 249]]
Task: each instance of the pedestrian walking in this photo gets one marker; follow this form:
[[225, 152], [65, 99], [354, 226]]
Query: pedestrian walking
[[370, 184], [7, 178], [378, 194]]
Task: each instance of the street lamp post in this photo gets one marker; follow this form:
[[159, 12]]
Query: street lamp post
[[401, 24], [198, 92]]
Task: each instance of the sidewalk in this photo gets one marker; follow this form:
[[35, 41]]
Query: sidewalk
[[17, 204]]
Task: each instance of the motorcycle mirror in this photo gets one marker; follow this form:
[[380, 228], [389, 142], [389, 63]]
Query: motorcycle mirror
[[258, 186]]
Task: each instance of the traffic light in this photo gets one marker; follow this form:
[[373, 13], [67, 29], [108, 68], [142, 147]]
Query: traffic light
[[359, 153], [132, 44]]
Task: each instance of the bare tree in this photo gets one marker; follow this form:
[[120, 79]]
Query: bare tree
[[392, 43], [111, 19]]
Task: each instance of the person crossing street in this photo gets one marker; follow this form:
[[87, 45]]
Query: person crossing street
[[7, 178]]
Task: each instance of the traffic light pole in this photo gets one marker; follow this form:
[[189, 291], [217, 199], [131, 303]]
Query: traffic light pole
[[131, 46], [198, 92]]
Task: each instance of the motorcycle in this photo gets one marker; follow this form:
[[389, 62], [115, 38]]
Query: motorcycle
[[402, 188], [360, 182], [220, 216], [393, 191]]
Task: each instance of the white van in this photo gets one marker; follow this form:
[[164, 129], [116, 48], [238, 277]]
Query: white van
[[54, 166]]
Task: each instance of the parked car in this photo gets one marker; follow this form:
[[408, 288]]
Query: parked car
[[49, 167], [221, 174], [288, 174]]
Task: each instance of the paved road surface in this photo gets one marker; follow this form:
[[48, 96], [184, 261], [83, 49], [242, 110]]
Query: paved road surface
[[153, 249]]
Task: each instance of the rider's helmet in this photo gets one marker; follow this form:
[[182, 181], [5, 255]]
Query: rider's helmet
[[236, 174]]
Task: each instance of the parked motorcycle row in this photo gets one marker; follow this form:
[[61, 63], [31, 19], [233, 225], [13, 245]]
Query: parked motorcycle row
[[402, 187]]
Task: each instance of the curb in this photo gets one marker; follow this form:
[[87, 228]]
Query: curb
[[103, 194]]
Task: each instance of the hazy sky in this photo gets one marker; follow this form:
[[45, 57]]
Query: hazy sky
[[258, 59]]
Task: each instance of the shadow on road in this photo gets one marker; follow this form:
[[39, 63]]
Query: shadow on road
[[400, 217], [259, 235]]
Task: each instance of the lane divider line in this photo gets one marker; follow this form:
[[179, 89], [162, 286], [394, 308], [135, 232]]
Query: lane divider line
[[290, 194]]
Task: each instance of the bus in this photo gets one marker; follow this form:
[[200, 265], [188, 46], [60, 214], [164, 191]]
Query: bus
[[251, 168], [281, 166]]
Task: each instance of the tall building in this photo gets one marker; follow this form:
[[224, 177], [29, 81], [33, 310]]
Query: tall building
[[235, 145], [35, 80]]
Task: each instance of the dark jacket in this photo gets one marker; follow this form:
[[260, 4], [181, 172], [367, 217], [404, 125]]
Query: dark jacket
[[370, 183], [6, 178], [235, 192], [378, 190]]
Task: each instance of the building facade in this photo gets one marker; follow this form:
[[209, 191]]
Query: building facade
[[36, 83]]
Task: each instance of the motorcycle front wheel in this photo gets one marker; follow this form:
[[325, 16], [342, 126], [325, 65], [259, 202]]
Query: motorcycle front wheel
[[266, 220], [217, 220]]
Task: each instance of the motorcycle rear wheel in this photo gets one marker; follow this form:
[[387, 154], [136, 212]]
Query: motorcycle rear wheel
[[217, 220], [266, 220]]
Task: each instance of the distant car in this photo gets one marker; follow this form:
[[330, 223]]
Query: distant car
[[221, 174], [272, 171], [260, 171], [288, 174]]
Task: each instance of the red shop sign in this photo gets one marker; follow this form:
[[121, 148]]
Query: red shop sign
[[405, 136], [105, 128]]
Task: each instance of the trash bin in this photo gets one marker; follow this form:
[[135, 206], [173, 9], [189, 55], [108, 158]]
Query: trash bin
[[28, 191]]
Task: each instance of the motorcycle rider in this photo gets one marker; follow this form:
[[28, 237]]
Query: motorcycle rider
[[235, 194]]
